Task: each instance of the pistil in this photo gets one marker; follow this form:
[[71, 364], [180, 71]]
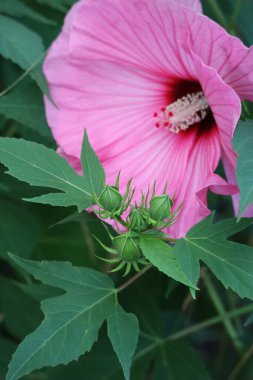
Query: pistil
[[183, 113]]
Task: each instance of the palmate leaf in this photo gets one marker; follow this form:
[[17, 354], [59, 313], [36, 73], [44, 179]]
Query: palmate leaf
[[122, 329], [72, 320], [162, 256], [243, 142], [40, 166], [232, 263], [23, 47]]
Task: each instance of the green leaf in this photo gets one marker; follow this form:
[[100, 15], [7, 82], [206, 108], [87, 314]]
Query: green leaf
[[40, 166], [25, 105], [72, 320], [17, 9], [123, 331], [59, 243], [162, 256], [92, 168], [243, 142], [178, 359], [101, 353], [19, 229], [249, 320], [60, 5], [232, 263], [7, 347], [13, 298], [23, 47]]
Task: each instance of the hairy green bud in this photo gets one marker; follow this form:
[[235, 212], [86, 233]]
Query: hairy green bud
[[110, 199], [127, 246], [160, 207]]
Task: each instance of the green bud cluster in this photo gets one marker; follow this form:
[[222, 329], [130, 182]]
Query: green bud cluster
[[153, 213]]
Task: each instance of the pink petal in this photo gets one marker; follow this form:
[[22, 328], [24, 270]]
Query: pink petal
[[198, 178], [195, 5], [227, 54], [109, 71], [141, 33], [115, 104], [136, 58], [222, 99]]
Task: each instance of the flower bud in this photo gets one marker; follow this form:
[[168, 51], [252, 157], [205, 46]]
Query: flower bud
[[110, 199], [160, 207], [128, 247], [137, 220]]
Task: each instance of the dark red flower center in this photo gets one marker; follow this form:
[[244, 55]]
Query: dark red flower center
[[187, 107]]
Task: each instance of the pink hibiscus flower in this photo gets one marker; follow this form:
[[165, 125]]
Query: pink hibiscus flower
[[157, 85]]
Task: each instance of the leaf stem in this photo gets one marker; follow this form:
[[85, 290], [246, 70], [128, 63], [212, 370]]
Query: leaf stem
[[25, 73], [133, 278], [121, 221], [210, 322], [231, 331], [169, 240], [241, 363], [194, 328]]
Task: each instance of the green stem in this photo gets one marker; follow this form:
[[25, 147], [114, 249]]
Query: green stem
[[169, 240], [121, 221], [218, 13], [231, 331], [194, 328], [241, 363]]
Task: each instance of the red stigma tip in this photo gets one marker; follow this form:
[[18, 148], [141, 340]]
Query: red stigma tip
[[170, 114], [157, 125], [166, 124], [155, 114], [163, 109]]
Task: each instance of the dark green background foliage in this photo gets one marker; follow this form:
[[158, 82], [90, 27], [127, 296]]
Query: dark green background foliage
[[180, 338]]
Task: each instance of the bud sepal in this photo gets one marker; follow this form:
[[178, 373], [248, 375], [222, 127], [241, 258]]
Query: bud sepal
[[137, 219], [160, 210], [126, 248]]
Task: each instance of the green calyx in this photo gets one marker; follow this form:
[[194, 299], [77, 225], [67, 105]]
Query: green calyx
[[160, 207], [110, 199], [125, 251], [127, 247]]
